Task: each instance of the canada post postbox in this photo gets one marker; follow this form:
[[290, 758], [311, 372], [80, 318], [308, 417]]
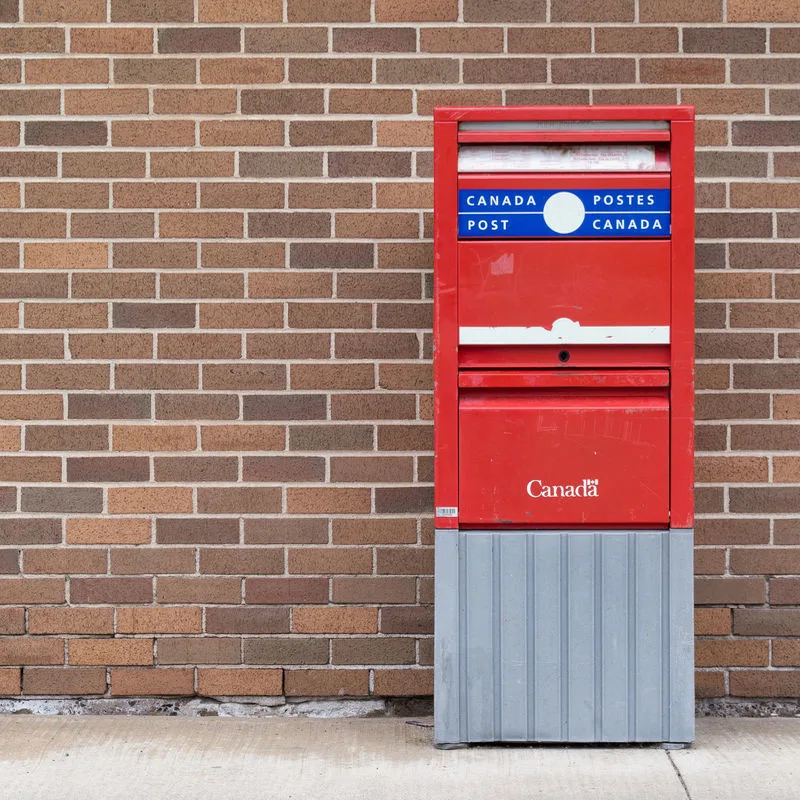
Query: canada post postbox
[[563, 414]]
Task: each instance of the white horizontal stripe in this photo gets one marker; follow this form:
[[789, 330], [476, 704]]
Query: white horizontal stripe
[[566, 332]]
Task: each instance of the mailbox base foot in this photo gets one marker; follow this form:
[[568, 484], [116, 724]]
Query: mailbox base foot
[[676, 745], [450, 745]]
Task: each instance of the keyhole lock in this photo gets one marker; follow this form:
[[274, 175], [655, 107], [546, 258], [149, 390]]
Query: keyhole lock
[[563, 356]]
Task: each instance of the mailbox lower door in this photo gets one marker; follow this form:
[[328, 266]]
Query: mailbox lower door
[[538, 458]]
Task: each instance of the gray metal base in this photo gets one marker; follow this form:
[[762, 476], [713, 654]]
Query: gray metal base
[[564, 636]]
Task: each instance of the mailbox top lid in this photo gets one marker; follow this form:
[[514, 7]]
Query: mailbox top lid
[[561, 113]]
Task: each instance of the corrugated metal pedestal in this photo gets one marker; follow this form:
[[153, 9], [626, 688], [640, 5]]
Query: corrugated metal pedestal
[[564, 636]]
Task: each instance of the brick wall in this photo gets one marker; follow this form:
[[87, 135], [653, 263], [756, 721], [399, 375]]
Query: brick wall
[[215, 375]]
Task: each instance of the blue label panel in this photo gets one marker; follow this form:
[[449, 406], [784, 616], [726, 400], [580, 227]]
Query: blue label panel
[[585, 213]]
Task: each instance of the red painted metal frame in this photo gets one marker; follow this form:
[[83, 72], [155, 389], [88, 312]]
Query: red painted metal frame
[[563, 136], [608, 378], [582, 356], [445, 320], [560, 113], [682, 324], [678, 356]]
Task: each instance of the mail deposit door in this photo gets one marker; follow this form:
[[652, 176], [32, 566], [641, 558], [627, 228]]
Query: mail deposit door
[[577, 456]]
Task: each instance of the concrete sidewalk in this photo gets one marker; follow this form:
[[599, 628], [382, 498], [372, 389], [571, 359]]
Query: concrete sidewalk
[[375, 759]]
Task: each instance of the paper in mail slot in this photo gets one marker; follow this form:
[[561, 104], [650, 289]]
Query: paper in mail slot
[[561, 158]]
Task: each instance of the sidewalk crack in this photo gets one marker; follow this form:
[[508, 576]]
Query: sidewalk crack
[[678, 773]]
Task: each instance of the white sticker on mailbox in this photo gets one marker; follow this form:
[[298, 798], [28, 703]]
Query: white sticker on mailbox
[[446, 511]]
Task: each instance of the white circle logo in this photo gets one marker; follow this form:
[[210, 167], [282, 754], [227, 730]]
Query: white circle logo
[[564, 212]]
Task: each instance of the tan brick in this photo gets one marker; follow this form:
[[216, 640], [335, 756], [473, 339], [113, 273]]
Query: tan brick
[[591, 11], [87, 530], [152, 560], [241, 70], [175, 225], [66, 255], [71, 620], [64, 10], [239, 500], [249, 11], [321, 561], [242, 437], [159, 620], [24, 652], [146, 438], [712, 621], [239, 682], [152, 10], [731, 653], [152, 133], [772, 683], [374, 590], [69, 681], [66, 70], [250, 620], [370, 101], [91, 102], [335, 620], [752, 11], [236, 133], [168, 681], [373, 530], [32, 40], [709, 683], [66, 315], [311, 11], [10, 681], [326, 683], [785, 653], [110, 652], [31, 591], [74, 561], [199, 590], [155, 500], [198, 650], [403, 682], [111, 40], [328, 500]]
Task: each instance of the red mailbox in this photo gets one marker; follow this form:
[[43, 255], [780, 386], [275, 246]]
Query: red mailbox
[[564, 328], [563, 411]]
